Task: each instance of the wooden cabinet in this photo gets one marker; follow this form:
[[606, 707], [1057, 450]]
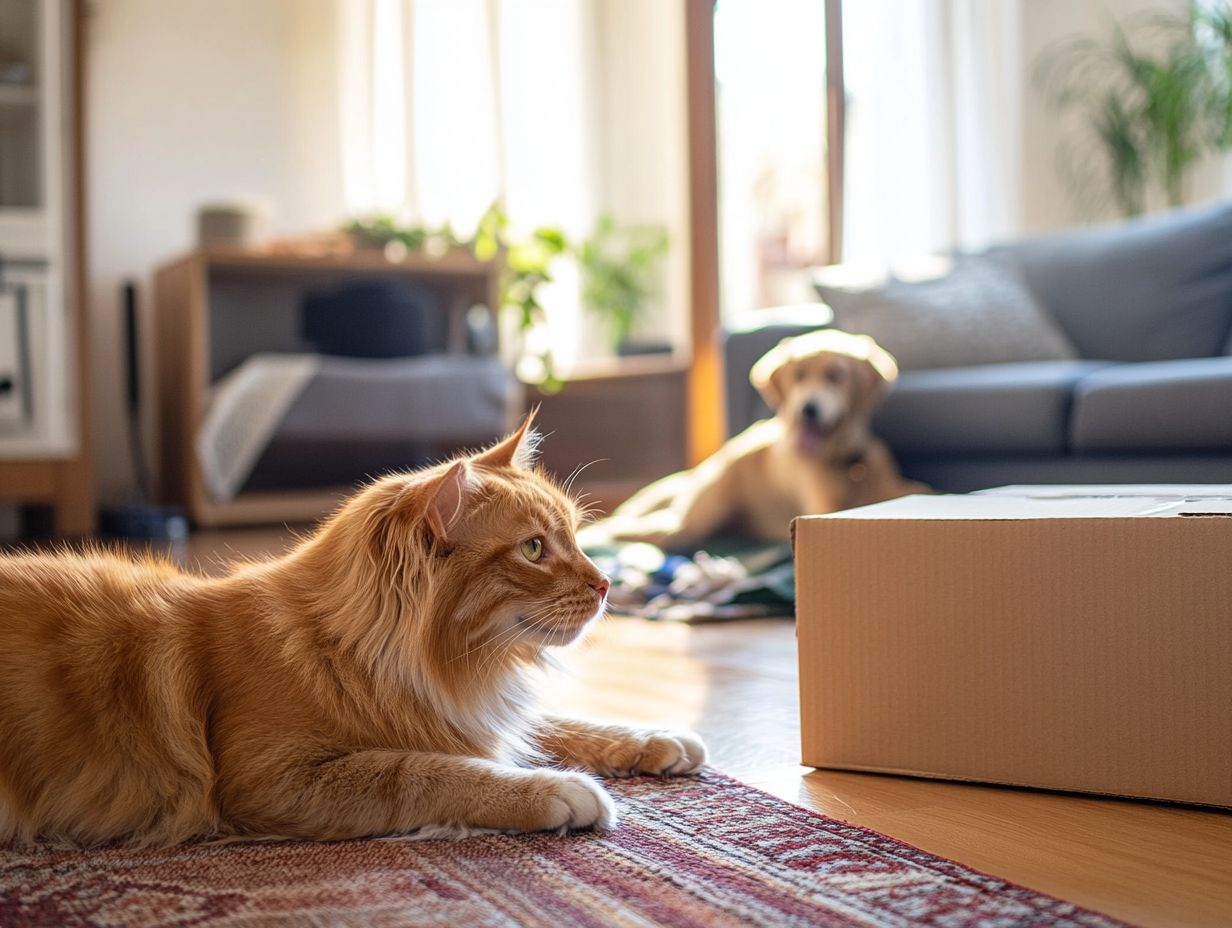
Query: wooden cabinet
[[215, 306], [44, 441], [619, 425]]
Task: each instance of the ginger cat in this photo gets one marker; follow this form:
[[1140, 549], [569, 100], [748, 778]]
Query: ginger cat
[[370, 682]]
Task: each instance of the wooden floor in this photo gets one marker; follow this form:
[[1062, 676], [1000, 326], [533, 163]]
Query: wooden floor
[[1146, 863]]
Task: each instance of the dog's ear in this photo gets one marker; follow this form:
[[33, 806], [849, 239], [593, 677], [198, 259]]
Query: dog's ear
[[517, 450], [769, 373], [876, 371]]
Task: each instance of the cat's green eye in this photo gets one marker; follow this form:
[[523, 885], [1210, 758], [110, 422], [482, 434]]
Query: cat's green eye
[[532, 549]]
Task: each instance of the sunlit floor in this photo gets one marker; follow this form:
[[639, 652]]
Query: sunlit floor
[[1147, 863]]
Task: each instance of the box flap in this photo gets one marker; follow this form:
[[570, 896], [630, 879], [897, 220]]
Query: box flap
[[1202, 507], [1100, 501], [1086, 491]]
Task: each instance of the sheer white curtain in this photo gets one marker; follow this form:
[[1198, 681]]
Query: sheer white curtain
[[449, 105], [934, 131]]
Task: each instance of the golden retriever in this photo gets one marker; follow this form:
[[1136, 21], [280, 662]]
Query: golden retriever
[[816, 455]]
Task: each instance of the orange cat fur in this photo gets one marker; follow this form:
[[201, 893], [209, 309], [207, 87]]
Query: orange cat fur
[[370, 682]]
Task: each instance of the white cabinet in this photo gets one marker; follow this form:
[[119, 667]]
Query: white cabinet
[[37, 347], [44, 446]]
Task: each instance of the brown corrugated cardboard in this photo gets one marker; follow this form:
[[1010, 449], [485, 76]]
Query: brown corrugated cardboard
[[1074, 638]]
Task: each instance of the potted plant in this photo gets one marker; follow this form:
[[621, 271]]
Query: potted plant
[[620, 269]]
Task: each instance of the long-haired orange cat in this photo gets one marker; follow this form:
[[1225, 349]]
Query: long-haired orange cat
[[370, 682]]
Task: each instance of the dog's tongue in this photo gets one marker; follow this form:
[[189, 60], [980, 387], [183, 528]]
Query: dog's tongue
[[807, 441]]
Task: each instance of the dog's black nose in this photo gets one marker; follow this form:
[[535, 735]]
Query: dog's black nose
[[811, 411]]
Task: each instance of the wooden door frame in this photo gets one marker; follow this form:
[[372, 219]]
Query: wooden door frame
[[705, 379], [707, 425], [836, 125]]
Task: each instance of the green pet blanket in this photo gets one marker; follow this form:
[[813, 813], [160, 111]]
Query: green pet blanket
[[728, 580]]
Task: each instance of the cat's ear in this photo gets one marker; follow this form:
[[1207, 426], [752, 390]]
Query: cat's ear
[[517, 450], [446, 496]]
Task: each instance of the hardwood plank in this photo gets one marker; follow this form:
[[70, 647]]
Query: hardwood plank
[[212, 551]]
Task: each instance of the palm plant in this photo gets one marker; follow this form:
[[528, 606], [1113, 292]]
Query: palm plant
[[1150, 114], [1213, 34]]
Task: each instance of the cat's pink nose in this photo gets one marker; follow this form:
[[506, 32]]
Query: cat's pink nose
[[601, 587]]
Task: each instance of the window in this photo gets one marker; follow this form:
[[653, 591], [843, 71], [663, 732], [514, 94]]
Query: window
[[770, 96]]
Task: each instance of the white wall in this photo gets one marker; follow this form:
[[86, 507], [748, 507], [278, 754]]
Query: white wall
[[190, 102]]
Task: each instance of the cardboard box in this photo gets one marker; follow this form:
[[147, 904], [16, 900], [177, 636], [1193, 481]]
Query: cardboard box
[[1071, 638]]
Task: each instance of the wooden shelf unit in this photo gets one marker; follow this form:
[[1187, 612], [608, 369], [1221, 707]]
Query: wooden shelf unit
[[183, 306]]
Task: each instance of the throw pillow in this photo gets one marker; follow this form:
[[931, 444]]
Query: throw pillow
[[979, 313]]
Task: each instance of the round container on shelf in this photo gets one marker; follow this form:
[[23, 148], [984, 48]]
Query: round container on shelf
[[235, 225]]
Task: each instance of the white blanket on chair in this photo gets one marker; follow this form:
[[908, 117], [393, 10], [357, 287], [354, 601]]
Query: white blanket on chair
[[246, 408]]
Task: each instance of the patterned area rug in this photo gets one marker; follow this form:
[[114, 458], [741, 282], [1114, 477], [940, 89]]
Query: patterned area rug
[[707, 852]]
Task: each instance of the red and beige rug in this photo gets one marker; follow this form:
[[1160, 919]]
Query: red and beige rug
[[707, 852]]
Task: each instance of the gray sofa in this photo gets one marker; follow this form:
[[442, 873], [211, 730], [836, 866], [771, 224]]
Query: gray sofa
[[1147, 306]]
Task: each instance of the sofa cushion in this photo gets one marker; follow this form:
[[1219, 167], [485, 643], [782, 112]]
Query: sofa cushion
[[978, 313], [1169, 405], [1154, 289], [992, 408]]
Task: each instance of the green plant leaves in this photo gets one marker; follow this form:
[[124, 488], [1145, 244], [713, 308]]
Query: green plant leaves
[[619, 265]]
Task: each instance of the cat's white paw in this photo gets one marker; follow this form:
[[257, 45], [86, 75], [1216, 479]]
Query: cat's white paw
[[661, 753], [692, 754], [575, 801]]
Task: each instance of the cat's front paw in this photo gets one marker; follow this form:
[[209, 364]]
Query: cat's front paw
[[572, 801], [660, 753]]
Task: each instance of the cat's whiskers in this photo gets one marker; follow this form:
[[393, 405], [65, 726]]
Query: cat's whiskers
[[567, 486], [485, 644], [509, 638], [500, 648]]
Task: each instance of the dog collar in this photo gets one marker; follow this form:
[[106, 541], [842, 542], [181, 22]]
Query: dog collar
[[857, 470]]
